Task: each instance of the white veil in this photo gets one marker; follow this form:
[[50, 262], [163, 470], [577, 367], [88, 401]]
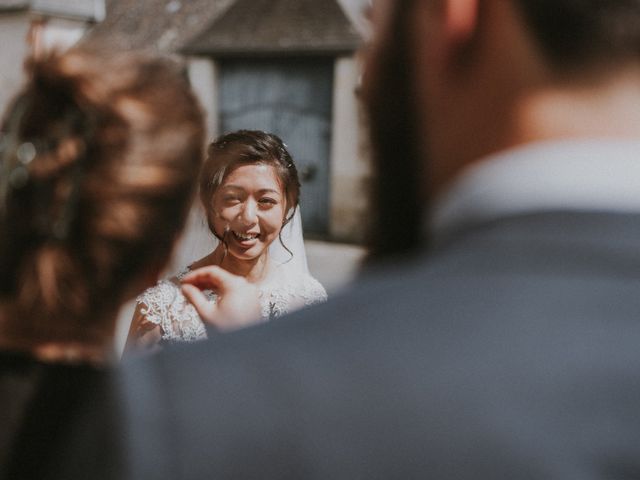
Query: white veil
[[294, 260], [197, 241]]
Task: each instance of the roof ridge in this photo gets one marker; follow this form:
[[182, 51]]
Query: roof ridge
[[277, 27]]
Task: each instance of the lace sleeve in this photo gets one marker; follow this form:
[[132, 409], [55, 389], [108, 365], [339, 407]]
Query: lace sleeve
[[291, 295], [165, 305], [313, 291]]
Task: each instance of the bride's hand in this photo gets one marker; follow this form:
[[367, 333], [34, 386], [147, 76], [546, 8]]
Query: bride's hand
[[237, 304]]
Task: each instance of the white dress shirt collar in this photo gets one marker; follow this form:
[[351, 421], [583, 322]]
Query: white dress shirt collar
[[595, 175]]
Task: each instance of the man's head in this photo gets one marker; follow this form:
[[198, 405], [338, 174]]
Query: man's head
[[452, 81]]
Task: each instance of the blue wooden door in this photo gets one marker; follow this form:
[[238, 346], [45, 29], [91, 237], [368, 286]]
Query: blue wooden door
[[291, 98]]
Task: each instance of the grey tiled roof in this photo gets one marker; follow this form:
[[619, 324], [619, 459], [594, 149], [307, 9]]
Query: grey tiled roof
[[160, 25], [277, 26], [8, 5]]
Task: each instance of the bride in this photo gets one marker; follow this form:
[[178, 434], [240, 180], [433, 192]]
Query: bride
[[250, 190]]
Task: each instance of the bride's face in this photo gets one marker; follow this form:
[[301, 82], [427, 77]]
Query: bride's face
[[249, 210]]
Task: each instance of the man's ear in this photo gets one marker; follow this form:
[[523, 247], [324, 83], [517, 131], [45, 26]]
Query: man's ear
[[446, 29], [460, 21]]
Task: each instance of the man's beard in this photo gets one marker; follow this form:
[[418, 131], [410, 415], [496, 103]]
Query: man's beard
[[396, 197]]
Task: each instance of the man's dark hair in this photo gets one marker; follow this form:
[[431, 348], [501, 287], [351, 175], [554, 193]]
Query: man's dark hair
[[396, 196], [578, 34]]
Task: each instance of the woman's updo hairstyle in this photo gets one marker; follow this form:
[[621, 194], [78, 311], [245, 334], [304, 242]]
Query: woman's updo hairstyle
[[97, 154], [248, 147]]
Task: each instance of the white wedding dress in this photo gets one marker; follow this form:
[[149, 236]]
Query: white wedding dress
[[288, 287]]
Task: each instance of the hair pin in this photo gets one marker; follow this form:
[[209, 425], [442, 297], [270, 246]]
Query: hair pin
[[26, 152]]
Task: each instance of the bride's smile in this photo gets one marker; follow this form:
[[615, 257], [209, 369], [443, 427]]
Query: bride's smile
[[250, 210], [245, 237]]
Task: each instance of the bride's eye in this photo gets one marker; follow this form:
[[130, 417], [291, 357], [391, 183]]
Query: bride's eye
[[231, 199], [266, 201]]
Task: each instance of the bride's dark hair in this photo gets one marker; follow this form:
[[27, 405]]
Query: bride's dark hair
[[248, 147], [98, 156]]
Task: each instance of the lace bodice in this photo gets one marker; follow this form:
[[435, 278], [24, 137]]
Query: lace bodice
[[165, 305]]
